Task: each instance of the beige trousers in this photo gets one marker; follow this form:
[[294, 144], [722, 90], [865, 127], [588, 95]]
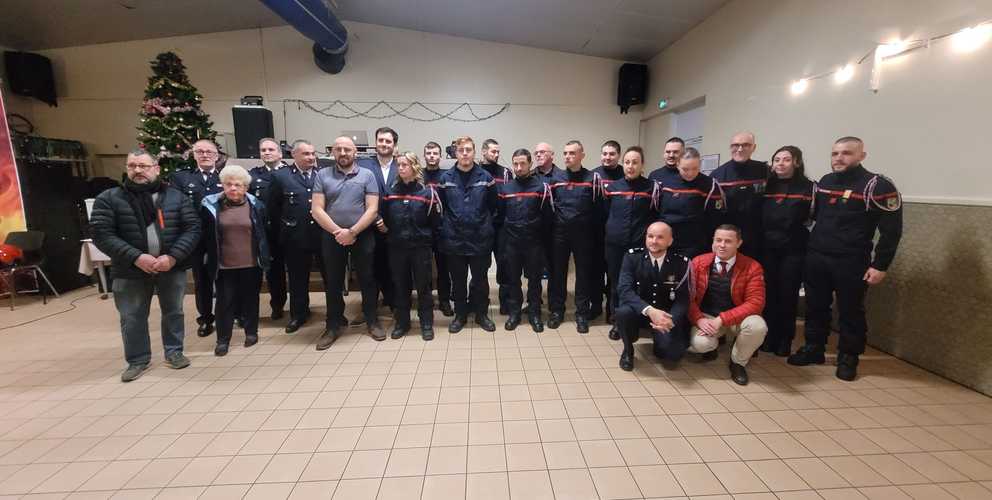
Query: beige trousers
[[750, 334]]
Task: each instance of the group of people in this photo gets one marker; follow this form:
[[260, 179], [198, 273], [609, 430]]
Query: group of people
[[686, 256]]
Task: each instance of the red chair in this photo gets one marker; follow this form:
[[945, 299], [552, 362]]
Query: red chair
[[29, 262]]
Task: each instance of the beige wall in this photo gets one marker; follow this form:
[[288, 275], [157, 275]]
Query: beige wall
[[926, 128], [554, 96]]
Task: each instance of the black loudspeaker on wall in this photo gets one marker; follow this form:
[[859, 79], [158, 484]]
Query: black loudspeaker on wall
[[30, 75], [633, 87], [251, 123]]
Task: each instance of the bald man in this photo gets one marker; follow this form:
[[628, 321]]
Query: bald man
[[549, 173], [653, 291], [743, 182]]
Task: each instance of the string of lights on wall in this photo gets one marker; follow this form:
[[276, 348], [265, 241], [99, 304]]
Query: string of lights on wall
[[965, 40]]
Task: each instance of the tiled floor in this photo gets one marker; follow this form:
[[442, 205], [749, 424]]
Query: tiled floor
[[473, 415]]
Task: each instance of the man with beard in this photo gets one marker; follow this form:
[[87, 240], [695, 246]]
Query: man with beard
[[674, 148], [196, 184], [743, 183], [501, 175], [609, 170], [261, 180], [345, 204], [383, 168], [432, 178], [149, 230]]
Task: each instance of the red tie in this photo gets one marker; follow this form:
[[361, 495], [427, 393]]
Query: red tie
[[723, 269]]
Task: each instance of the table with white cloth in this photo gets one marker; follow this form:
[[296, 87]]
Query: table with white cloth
[[90, 259]]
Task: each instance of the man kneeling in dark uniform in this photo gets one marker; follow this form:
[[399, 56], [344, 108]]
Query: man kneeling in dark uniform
[[653, 291]]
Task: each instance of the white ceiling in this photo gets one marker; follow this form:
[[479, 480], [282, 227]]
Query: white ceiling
[[633, 30]]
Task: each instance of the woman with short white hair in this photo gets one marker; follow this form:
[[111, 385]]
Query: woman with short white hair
[[237, 253]]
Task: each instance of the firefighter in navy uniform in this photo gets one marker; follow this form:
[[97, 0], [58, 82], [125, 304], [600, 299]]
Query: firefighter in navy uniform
[[261, 178], [669, 172], [196, 184], [298, 234], [501, 175], [653, 293], [432, 177], [577, 199], [608, 171], [523, 208], [466, 235], [785, 218], [691, 203], [632, 205], [851, 204], [743, 182], [549, 173], [410, 212]]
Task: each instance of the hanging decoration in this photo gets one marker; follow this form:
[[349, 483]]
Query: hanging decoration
[[390, 110]]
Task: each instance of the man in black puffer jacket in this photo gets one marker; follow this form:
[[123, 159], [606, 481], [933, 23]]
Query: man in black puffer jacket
[[149, 230]]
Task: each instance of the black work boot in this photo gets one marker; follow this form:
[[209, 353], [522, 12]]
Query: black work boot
[[808, 355], [847, 366]]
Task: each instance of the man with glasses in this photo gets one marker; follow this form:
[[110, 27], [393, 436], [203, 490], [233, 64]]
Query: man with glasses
[[743, 182], [549, 173], [149, 230], [196, 184]]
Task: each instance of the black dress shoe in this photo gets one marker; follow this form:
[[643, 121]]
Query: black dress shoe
[[847, 366], [483, 321], [627, 360], [457, 324], [581, 324], [221, 350], [535, 323], [446, 309], [808, 355], [251, 340], [738, 373], [205, 330], [555, 320], [277, 314], [427, 332], [512, 322], [709, 355], [293, 325], [614, 333], [399, 332]]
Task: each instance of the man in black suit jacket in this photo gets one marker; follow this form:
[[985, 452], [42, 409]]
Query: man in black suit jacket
[[196, 184], [383, 166], [261, 182], [653, 291], [298, 233]]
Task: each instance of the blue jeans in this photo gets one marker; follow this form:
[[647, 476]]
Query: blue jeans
[[133, 298]]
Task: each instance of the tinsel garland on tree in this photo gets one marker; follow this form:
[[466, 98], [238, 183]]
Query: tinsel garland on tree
[[170, 118]]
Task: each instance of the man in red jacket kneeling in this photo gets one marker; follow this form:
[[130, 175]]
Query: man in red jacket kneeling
[[728, 296]]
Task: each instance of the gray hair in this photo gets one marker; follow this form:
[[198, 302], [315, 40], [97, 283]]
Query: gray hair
[[690, 153], [300, 142], [136, 152], [235, 173]]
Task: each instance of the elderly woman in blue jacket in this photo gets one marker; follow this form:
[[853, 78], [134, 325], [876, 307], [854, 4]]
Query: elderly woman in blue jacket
[[237, 253]]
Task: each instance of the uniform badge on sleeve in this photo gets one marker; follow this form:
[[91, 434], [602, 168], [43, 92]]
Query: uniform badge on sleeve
[[719, 204], [892, 203]]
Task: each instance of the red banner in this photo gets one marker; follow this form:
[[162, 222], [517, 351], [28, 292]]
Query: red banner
[[11, 204]]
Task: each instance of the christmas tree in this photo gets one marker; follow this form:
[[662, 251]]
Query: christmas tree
[[171, 118]]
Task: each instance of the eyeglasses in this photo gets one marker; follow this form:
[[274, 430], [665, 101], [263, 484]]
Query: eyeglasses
[[204, 152], [139, 166], [735, 147], [465, 150], [542, 152]]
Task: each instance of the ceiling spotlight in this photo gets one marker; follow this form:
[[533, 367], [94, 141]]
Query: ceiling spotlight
[[969, 39], [799, 86], [844, 74]]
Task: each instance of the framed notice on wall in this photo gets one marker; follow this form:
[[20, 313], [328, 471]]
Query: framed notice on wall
[[709, 163], [11, 204]]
